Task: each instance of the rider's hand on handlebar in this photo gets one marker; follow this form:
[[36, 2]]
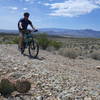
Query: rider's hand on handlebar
[[35, 30]]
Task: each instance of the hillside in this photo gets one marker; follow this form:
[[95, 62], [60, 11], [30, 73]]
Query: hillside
[[52, 76], [72, 33], [63, 32]]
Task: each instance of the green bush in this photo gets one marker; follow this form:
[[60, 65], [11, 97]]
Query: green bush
[[56, 44], [15, 40], [43, 40], [9, 39], [6, 87]]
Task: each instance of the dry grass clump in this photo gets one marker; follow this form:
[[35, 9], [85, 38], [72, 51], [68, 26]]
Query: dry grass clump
[[50, 49], [95, 55], [70, 52], [23, 86]]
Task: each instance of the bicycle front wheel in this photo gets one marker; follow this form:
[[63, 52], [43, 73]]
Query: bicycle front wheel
[[33, 49]]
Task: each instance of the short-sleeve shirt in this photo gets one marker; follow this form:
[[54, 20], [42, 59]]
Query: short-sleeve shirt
[[24, 23]]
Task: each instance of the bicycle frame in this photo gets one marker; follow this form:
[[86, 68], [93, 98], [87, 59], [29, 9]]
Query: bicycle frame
[[27, 39], [30, 43]]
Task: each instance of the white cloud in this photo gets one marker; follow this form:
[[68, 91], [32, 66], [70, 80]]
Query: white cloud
[[72, 8], [30, 1], [97, 1], [47, 4], [25, 9], [13, 8]]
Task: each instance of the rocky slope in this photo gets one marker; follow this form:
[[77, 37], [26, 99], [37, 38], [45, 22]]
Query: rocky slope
[[53, 77]]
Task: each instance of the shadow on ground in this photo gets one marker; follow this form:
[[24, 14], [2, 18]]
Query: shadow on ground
[[31, 57]]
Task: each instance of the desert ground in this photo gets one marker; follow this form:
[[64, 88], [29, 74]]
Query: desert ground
[[52, 76]]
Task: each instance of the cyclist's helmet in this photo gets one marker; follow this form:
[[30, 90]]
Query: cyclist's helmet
[[26, 14]]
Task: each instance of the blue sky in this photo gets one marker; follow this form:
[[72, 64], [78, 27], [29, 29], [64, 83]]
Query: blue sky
[[69, 14]]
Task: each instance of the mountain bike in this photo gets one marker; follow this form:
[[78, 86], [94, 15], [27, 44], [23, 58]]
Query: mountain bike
[[30, 43]]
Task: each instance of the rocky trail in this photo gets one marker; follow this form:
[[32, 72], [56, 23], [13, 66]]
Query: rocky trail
[[52, 76]]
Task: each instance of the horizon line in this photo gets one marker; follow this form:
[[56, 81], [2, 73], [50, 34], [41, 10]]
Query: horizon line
[[56, 28]]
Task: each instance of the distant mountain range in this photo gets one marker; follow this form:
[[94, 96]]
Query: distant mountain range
[[2, 31], [63, 32]]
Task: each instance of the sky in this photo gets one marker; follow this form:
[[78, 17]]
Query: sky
[[67, 14]]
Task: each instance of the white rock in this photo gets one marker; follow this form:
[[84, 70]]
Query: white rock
[[97, 67], [87, 98], [0, 70], [39, 98], [15, 68]]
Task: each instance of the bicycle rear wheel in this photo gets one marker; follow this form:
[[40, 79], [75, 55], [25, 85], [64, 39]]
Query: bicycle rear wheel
[[33, 49]]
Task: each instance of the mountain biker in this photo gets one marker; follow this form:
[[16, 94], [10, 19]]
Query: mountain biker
[[22, 25]]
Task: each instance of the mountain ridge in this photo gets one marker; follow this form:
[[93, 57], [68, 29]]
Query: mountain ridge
[[63, 32]]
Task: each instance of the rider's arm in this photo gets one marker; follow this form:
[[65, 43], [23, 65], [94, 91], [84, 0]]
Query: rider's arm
[[20, 26], [31, 25]]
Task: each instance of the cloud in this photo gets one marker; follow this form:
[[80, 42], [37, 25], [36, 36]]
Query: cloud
[[13, 8], [47, 4], [72, 8], [97, 1], [25, 9], [30, 1]]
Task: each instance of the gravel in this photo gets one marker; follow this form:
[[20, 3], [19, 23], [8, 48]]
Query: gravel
[[52, 76]]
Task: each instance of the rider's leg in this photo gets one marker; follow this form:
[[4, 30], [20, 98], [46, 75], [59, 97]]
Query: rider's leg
[[21, 40]]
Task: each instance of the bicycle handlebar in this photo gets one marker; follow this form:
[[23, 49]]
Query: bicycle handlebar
[[36, 30], [29, 31]]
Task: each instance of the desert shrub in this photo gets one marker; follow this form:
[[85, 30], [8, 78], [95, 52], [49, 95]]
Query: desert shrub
[[43, 41], [56, 44], [86, 47], [50, 48], [15, 40], [70, 52], [6, 87], [93, 47], [9, 42], [0, 42], [9, 39], [95, 55], [23, 86], [5, 38]]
